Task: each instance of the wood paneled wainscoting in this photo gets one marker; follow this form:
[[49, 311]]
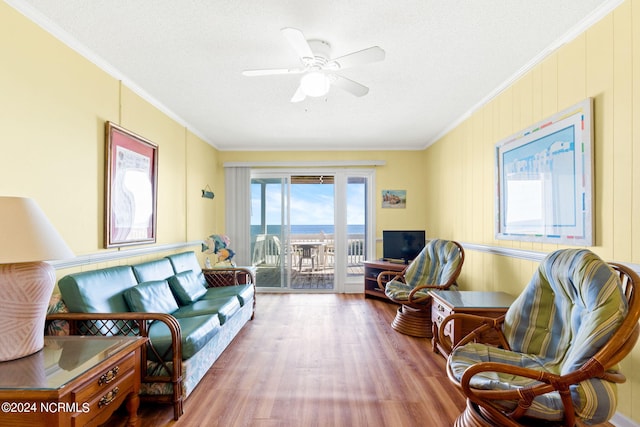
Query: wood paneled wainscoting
[[318, 360]]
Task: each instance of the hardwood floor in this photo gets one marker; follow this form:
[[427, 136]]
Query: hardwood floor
[[318, 360]]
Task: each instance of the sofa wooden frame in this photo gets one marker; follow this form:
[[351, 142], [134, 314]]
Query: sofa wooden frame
[[137, 323]]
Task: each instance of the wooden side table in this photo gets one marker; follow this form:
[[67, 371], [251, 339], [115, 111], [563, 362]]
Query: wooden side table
[[444, 303], [72, 381]]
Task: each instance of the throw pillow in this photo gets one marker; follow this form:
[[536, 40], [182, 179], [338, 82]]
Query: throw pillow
[[151, 297], [186, 287]]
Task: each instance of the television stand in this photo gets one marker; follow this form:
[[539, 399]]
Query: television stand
[[371, 271], [395, 261]]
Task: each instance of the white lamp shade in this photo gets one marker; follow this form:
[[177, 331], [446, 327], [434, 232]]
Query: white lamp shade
[[27, 239], [26, 235]]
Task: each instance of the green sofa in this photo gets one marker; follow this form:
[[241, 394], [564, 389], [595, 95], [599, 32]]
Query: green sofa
[[190, 316]]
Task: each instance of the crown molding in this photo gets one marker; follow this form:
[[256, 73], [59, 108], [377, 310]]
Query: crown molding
[[600, 12], [67, 39]]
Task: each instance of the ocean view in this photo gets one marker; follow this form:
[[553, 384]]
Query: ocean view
[[308, 229]]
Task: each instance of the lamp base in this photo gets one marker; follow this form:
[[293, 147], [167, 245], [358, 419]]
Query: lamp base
[[25, 291]]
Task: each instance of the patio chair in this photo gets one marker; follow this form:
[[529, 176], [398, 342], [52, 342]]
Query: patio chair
[[562, 340], [437, 266], [308, 252]]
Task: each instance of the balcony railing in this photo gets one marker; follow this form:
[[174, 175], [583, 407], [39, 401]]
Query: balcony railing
[[268, 249]]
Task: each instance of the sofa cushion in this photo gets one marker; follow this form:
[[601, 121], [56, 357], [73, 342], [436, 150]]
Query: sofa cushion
[[224, 307], [186, 287], [244, 293], [197, 331], [151, 297], [158, 269], [97, 291], [185, 261]]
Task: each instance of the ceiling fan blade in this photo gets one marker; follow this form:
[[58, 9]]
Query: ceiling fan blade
[[349, 85], [268, 72], [299, 43], [365, 56], [299, 95]]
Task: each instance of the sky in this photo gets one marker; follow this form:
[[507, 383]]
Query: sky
[[311, 204]]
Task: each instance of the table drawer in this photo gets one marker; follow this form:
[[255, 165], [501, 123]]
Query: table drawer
[[97, 408], [439, 312], [106, 379], [437, 320], [106, 391]]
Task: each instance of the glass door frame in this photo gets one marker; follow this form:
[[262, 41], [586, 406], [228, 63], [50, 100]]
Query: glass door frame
[[346, 283], [282, 179], [343, 283]]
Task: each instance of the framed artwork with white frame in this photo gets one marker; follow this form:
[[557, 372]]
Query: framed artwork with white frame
[[544, 180]]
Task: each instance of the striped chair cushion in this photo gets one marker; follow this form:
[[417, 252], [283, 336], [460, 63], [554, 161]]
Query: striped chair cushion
[[434, 265], [569, 310]]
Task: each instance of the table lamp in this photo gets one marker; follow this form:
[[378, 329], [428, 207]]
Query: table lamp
[[27, 239]]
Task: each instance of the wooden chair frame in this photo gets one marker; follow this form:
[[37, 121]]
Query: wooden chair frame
[[414, 316], [483, 408]]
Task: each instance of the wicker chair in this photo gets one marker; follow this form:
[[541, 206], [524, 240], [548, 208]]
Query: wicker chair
[[436, 267], [562, 340]]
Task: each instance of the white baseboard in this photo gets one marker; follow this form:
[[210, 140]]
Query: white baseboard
[[620, 420], [353, 288]]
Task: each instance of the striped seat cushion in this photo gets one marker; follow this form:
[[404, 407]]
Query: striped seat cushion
[[569, 310], [434, 265]]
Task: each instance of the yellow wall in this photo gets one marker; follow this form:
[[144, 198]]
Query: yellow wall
[[602, 63], [53, 105], [403, 170], [53, 108]]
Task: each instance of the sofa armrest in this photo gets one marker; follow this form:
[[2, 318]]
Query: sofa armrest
[[228, 276], [136, 323]]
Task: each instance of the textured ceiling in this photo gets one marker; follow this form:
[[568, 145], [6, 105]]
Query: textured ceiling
[[443, 58]]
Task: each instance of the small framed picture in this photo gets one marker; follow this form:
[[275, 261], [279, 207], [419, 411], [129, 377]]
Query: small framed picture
[[394, 199]]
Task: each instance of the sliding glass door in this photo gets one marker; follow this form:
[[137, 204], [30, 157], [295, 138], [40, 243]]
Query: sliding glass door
[[270, 229], [360, 244], [310, 231]]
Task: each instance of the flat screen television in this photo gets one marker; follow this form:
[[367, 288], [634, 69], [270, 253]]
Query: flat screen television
[[402, 245]]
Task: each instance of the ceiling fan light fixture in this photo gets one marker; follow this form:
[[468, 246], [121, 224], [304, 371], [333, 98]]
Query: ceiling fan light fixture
[[315, 83], [318, 69]]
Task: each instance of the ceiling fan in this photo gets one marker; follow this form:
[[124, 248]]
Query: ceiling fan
[[318, 69]]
